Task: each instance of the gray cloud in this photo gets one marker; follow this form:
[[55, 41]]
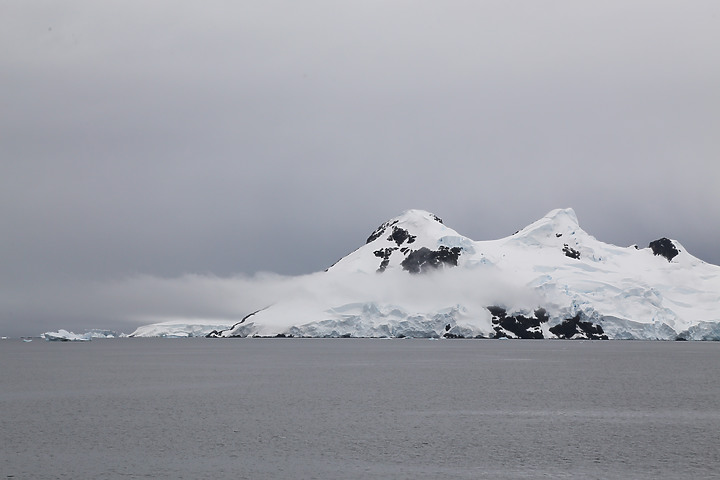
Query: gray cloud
[[173, 139]]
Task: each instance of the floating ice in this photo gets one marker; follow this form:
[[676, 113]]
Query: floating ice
[[65, 336]]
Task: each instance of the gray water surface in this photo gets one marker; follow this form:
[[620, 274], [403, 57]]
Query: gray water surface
[[359, 408]]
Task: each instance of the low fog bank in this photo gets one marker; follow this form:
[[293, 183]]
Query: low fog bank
[[125, 304]]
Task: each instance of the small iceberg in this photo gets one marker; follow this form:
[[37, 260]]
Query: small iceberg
[[65, 336]]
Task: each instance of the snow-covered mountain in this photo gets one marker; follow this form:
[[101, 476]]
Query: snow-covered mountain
[[416, 277]]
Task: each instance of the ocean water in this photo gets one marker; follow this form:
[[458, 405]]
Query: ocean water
[[359, 409]]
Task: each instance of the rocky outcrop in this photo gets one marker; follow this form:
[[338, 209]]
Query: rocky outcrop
[[665, 248]]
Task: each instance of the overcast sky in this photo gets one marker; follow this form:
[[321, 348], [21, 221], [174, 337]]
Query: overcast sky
[[154, 156]]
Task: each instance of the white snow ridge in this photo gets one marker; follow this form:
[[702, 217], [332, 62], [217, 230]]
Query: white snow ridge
[[416, 277]]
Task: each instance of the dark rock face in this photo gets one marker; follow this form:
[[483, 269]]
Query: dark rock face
[[529, 327], [218, 333], [452, 335], [400, 235], [665, 248], [424, 259], [541, 314], [384, 253], [379, 231], [520, 325], [570, 252], [573, 326]]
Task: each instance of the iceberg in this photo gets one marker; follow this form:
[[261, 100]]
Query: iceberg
[[65, 336]]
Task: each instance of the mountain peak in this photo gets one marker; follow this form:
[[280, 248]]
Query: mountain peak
[[564, 216], [415, 215], [415, 241], [409, 219], [557, 222]]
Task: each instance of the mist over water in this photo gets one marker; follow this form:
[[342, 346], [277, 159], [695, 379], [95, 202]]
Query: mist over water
[[123, 305], [359, 408]]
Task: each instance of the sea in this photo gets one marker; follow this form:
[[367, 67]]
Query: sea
[[359, 409]]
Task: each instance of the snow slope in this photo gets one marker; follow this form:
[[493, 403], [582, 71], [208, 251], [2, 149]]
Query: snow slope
[[416, 277], [178, 329]]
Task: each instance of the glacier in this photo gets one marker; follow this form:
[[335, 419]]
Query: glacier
[[179, 329], [417, 277]]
